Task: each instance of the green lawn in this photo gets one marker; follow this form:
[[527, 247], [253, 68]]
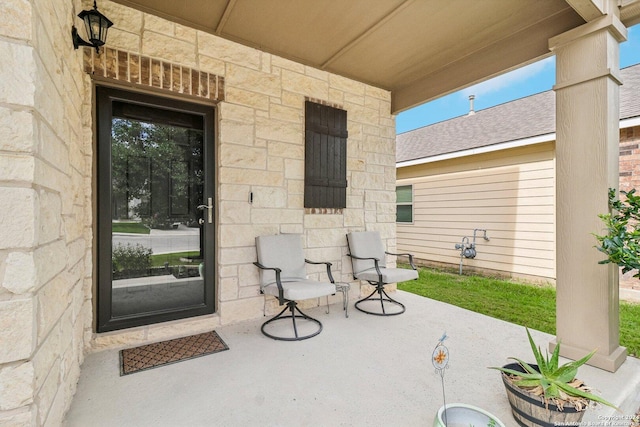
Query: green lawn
[[527, 305], [173, 258], [129, 227]]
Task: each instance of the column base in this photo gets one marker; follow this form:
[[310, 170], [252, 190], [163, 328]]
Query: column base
[[609, 362]]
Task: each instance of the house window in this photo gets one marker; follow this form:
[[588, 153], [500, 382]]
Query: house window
[[325, 176], [404, 203]]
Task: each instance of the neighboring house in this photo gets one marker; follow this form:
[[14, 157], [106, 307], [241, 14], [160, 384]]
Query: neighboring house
[[495, 169]]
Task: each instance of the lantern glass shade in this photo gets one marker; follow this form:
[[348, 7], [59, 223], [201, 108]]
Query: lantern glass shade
[[97, 25]]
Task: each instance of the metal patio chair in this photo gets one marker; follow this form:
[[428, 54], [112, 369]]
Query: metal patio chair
[[368, 259], [283, 275]]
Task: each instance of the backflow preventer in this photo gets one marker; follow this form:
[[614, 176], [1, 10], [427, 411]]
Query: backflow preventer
[[467, 249]]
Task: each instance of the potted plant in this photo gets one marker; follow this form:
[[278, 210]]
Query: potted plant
[[547, 394]]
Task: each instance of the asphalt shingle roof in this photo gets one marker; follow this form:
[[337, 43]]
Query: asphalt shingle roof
[[523, 118]]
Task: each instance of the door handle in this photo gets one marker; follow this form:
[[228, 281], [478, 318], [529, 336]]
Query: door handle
[[209, 208]]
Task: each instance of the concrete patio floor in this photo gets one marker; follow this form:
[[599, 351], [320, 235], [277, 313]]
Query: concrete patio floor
[[361, 371]]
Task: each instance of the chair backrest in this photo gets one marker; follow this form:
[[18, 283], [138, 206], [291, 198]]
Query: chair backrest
[[366, 244], [283, 251]]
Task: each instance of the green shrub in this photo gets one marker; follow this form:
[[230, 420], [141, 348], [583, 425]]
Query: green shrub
[[131, 258], [621, 244]]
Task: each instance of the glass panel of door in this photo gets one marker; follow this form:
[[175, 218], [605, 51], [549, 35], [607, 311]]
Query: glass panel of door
[[159, 214]]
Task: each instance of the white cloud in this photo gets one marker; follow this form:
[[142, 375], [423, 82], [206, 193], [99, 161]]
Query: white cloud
[[511, 78]]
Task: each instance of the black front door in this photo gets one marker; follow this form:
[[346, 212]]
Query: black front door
[[155, 209]]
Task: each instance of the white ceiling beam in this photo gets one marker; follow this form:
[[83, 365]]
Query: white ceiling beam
[[225, 16]]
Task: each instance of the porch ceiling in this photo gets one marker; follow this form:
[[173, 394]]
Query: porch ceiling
[[417, 49]]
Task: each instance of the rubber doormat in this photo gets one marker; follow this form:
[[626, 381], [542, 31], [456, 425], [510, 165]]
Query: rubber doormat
[[150, 356]]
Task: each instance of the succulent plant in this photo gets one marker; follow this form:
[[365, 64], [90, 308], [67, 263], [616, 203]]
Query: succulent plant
[[553, 382]]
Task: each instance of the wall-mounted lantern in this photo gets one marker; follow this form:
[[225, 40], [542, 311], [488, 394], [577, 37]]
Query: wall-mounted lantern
[[96, 24]]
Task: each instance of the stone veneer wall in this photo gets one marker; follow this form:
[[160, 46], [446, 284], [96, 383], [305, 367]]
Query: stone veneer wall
[[46, 185], [630, 158], [45, 212]]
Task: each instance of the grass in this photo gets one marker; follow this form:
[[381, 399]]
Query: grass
[[173, 258], [523, 304], [129, 227]]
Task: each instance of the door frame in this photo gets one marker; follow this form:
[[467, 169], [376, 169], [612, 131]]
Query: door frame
[[105, 95]]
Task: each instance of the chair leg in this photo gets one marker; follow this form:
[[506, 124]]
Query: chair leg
[[345, 301], [380, 291], [292, 307]]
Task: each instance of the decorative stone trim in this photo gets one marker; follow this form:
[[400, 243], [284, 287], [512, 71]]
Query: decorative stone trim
[[151, 72], [326, 103], [323, 211]]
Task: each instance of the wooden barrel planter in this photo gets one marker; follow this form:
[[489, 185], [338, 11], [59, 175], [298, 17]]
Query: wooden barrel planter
[[529, 410]]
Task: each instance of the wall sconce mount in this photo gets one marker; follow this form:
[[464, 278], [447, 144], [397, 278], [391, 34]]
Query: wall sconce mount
[[96, 25]]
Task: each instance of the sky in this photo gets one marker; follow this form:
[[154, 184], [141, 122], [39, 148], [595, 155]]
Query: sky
[[534, 78]]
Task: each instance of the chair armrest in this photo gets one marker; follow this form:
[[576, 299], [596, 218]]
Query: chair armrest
[[375, 264], [278, 282], [328, 264], [407, 255]]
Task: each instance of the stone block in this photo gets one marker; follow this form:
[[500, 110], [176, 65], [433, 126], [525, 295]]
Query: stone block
[[120, 339], [240, 310], [295, 186], [286, 150], [181, 328], [126, 18], [234, 212], [124, 40], [242, 235], [252, 80], [47, 393], [277, 216], [234, 192], [229, 256], [347, 85], [228, 51], [24, 418], [323, 221], [168, 48], [289, 114], [20, 273], [235, 113], [18, 230], [16, 329], [247, 98], [228, 289], [15, 19], [17, 130], [50, 260], [237, 132], [326, 237], [248, 275], [248, 291], [294, 169], [303, 84], [287, 64], [249, 177], [53, 300], [50, 214], [278, 130], [242, 157], [16, 386], [159, 25], [269, 197]]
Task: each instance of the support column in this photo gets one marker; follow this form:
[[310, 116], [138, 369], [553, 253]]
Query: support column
[[587, 156]]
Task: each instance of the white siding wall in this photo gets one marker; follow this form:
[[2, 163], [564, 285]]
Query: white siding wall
[[509, 193]]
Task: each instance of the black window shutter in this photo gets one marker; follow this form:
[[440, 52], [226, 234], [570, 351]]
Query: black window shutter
[[325, 180]]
